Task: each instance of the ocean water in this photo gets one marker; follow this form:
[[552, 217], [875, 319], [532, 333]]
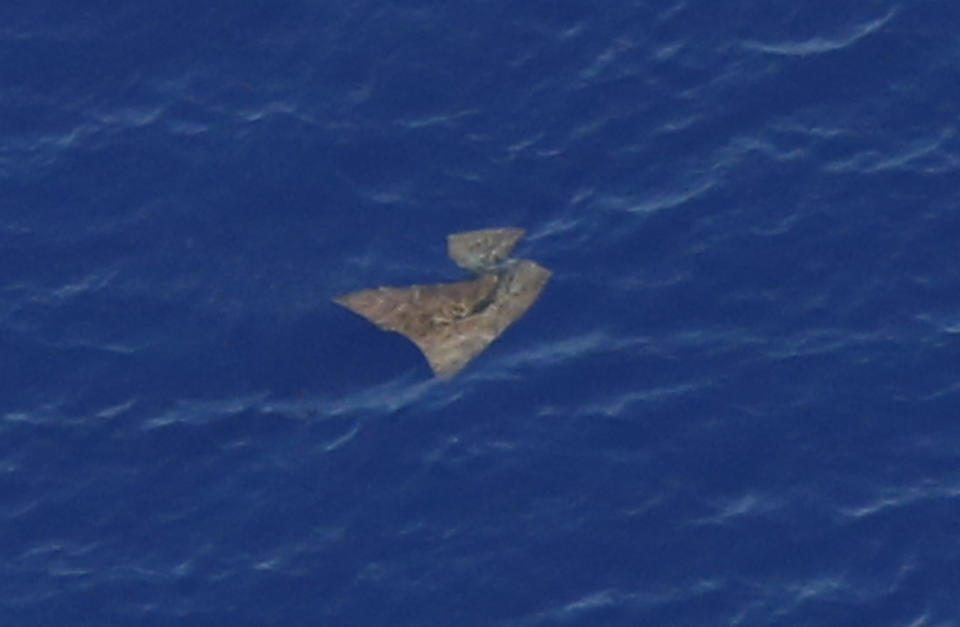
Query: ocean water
[[736, 402]]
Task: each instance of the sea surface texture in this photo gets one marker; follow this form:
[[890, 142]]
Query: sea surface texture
[[735, 403]]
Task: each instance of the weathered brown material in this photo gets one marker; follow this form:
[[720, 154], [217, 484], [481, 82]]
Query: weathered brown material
[[454, 322]]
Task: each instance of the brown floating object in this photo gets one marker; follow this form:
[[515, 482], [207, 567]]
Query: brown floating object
[[454, 322]]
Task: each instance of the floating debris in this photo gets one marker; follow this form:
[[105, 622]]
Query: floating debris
[[454, 322]]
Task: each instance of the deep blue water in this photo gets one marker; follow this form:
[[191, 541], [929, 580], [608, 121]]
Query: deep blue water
[[736, 402]]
